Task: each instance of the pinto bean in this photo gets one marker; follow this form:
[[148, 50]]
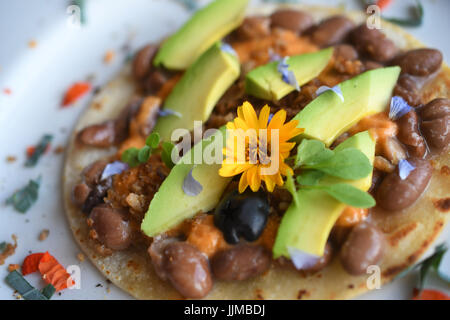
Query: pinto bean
[[93, 172], [122, 122], [331, 31], [323, 260], [110, 227], [371, 65], [142, 63], [420, 62], [364, 247], [187, 269], [345, 52], [436, 123], [253, 28], [156, 79], [80, 193], [240, 262], [393, 150], [98, 135], [396, 194], [97, 195], [406, 88], [373, 43], [408, 133], [294, 20], [156, 253]]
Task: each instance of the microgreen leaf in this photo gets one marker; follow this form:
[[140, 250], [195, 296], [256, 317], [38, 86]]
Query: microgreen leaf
[[348, 194], [310, 177], [39, 150], [166, 154], [144, 154], [349, 164], [24, 198], [310, 152], [153, 140], [130, 156], [290, 186]]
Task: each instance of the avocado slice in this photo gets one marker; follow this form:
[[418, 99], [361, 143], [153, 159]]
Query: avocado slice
[[198, 91], [306, 227], [208, 25], [170, 205], [327, 117], [265, 82]]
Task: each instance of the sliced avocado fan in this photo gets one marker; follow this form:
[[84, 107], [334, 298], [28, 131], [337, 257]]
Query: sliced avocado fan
[[208, 25], [306, 226], [266, 82], [327, 117], [171, 205], [198, 91]]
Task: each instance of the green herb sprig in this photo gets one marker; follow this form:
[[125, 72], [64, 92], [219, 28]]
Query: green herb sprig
[[316, 161], [24, 198], [135, 156]]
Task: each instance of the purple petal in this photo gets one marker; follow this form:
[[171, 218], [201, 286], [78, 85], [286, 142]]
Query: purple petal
[[301, 259], [287, 75], [113, 168], [167, 112], [191, 187], [225, 47], [404, 169], [399, 107], [270, 118], [273, 56], [336, 89]]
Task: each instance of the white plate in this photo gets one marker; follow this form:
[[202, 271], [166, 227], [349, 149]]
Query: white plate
[[38, 77]]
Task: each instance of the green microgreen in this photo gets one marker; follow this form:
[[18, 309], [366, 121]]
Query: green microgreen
[[24, 198], [39, 150], [347, 194], [134, 156], [315, 162], [290, 186], [166, 154]]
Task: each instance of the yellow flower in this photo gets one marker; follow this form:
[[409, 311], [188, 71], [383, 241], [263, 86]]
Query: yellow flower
[[257, 148]]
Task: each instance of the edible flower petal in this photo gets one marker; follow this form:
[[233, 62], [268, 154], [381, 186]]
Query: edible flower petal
[[260, 158], [287, 75], [399, 107], [168, 112], [301, 259], [404, 169], [191, 187], [225, 47], [114, 168], [336, 89]]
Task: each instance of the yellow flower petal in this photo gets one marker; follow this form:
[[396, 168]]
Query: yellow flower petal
[[264, 116], [243, 182], [250, 115]]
